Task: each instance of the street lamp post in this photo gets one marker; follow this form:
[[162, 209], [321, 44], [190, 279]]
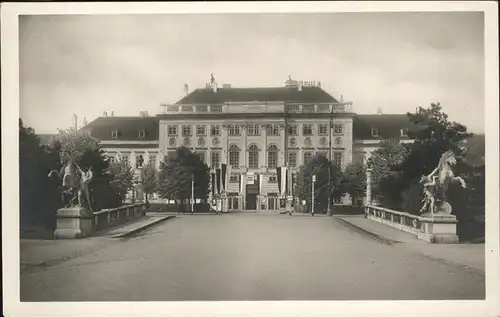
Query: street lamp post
[[312, 194], [192, 193]]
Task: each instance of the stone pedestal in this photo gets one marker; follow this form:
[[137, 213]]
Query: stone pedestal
[[439, 228], [73, 223]]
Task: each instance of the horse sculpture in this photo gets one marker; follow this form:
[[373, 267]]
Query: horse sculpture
[[437, 182], [74, 187]]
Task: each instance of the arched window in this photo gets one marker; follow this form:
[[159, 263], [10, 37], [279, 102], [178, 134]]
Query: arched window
[[234, 156], [253, 156], [272, 156]]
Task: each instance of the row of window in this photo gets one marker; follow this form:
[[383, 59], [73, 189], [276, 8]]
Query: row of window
[[142, 134], [254, 130], [272, 157], [139, 159]]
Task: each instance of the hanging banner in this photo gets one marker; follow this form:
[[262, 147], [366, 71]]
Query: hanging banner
[[241, 182], [283, 181], [217, 177], [278, 172], [213, 184], [287, 182], [223, 171]]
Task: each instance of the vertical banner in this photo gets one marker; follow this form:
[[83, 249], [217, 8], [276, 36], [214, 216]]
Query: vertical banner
[[217, 176], [260, 182], [241, 182], [213, 184], [224, 170], [287, 183], [283, 180], [278, 172]]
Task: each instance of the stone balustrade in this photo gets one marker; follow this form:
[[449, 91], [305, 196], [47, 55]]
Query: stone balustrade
[[110, 217], [78, 222], [437, 228]]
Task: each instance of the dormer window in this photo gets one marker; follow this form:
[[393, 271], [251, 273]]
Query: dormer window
[[404, 132], [375, 132], [114, 134], [142, 134]]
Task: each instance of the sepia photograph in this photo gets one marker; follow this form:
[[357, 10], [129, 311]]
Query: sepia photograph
[[242, 156]]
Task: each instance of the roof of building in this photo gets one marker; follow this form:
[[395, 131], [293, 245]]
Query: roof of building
[[388, 125], [127, 127], [269, 94]]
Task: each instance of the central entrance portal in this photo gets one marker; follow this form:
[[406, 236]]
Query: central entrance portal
[[252, 190]]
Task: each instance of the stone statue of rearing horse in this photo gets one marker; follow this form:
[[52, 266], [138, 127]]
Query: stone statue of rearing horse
[[74, 184], [443, 176]]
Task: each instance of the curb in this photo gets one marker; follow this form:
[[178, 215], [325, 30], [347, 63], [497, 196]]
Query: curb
[[366, 232], [137, 230]]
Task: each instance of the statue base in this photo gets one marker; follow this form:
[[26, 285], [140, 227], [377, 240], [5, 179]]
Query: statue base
[[73, 223], [440, 227]]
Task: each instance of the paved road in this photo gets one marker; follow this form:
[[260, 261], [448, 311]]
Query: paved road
[[251, 257]]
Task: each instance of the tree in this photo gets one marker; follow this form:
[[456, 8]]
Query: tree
[[39, 196], [149, 180], [385, 174], [122, 179], [87, 153], [354, 181], [318, 165], [174, 177]]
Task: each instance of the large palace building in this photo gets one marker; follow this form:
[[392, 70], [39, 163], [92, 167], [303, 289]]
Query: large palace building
[[253, 130]]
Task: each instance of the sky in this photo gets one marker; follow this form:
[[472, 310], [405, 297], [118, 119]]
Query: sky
[[85, 65]]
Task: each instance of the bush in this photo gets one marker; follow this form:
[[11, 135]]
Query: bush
[[412, 198]]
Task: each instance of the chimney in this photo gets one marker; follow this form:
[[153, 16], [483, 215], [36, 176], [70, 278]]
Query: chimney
[[105, 114], [379, 110], [341, 98], [186, 90], [112, 114], [75, 122]]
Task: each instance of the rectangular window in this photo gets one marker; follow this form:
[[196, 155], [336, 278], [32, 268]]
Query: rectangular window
[[338, 128], [307, 157], [173, 108], [215, 159], [234, 130], [323, 129], [152, 160], [307, 129], [293, 108], [337, 158], [272, 159], [253, 159], [172, 130], [253, 130], [273, 130], [234, 159], [142, 134], [187, 108], [273, 179], [234, 178], [202, 108], [292, 159], [307, 108], [114, 134], [293, 129], [375, 132], [323, 108], [186, 130], [216, 108], [125, 159], [215, 130], [201, 130]]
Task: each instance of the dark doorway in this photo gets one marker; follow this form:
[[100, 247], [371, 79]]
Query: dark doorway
[[251, 201]]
